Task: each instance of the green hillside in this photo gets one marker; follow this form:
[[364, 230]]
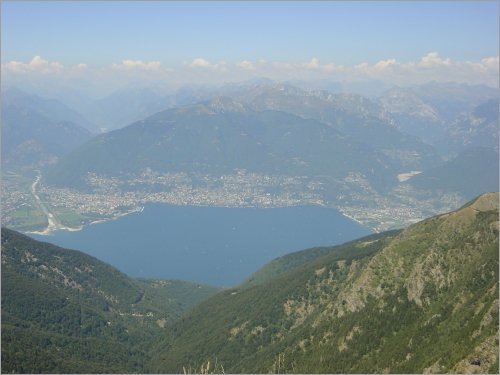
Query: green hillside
[[295, 260], [422, 300], [219, 137], [479, 166], [64, 311]]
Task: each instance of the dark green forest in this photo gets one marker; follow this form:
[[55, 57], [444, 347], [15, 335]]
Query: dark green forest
[[65, 311]]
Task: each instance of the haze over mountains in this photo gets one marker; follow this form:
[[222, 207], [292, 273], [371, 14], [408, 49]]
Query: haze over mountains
[[250, 187], [420, 299], [219, 137], [343, 147], [412, 129], [450, 123], [36, 131], [431, 112]]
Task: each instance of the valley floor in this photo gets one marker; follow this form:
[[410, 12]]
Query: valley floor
[[42, 209]]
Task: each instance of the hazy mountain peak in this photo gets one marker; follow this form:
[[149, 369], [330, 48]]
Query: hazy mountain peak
[[405, 100], [13, 92], [223, 104], [276, 89]]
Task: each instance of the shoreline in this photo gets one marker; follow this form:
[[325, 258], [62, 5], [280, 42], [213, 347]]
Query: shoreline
[[357, 221], [47, 231], [52, 227]]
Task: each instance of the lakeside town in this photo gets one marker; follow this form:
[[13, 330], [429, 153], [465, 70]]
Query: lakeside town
[[112, 197]]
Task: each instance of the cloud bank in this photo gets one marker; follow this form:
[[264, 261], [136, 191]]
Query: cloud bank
[[137, 64], [430, 67]]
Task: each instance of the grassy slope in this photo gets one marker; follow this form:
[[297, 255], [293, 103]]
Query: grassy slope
[[295, 260], [423, 300], [192, 139]]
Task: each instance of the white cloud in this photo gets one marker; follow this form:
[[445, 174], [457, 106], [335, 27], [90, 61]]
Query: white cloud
[[433, 59], [313, 64], [384, 64], [80, 66], [247, 65], [137, 64], [56, 65], [15, 66], [282, 65], [362, 66], [200, 63], [429, 67], [36, 64], [221, 66], [331, 67], [490, 62]]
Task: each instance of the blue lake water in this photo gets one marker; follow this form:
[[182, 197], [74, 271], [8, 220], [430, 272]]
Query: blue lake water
[[213, 245]]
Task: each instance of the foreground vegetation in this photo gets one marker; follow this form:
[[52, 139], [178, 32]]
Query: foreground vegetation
[[424, 299], [64, 311]]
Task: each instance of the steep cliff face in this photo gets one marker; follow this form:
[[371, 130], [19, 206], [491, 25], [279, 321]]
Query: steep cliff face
[[421, 300]]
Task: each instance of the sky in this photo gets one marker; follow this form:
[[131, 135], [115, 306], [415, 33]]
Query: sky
[[398, 41]]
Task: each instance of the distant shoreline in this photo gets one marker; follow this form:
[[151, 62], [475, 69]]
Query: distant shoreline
[[52, 227]]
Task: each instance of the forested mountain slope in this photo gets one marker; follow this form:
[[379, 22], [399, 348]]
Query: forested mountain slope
[[422, 300], [65, 311], [219, 137]]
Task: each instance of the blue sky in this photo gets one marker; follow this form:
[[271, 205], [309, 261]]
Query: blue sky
[[172, 32], [397, 41]]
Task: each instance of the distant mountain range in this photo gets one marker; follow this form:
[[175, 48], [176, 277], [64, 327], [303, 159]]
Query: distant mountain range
[[479, 165], [54, 109], [451, 117], [220, 136], [353, 115], [125, 106], [274, 128], [251, 131], [419, 300], [477, 128], [36, 131], [349, 144], [451, 98]]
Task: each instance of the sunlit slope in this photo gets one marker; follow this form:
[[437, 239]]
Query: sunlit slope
[[220, 137], [423, 300]]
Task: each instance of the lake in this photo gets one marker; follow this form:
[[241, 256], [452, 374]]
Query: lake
[[213, 245]]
